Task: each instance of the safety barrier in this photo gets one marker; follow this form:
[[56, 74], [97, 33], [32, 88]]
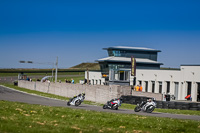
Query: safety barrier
[[163, 104]]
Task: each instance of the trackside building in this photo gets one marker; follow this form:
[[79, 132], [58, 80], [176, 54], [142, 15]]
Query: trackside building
[[116, 70]]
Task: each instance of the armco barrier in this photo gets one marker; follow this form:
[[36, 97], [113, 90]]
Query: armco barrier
[[163, 104]]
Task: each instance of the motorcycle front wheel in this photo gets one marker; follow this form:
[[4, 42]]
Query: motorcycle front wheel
[[68, 103], [150, 109], [137, 109], [104, 106]]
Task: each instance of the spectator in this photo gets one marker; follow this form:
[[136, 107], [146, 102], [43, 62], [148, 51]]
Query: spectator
[[137, 88], [72, 81], [140, 88]]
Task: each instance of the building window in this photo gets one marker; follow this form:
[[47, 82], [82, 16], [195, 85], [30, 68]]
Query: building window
[[189, 86], [146, 86], [168, 87], [198, 92], [160, 87], [153, 86]]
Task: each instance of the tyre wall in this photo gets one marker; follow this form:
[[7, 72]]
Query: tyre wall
[[163, 104]]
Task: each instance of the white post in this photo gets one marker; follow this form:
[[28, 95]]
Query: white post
[[149, 86], [194, 89]]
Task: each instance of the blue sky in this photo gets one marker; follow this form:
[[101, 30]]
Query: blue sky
[[76, 31]]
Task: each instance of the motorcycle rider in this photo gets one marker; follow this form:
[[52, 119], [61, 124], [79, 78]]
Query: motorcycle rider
[[148, 100], [109, 102]]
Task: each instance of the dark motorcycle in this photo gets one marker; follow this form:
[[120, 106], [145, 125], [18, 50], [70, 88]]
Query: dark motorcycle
[[113, 104]]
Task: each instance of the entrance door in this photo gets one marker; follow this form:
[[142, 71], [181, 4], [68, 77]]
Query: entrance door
[[176, 91], [121, 75], [124, 75]]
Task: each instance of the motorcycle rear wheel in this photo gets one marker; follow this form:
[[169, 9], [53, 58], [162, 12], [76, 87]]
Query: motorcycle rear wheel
[[114, 107], [77, 103], [137, 109], [150, 109]]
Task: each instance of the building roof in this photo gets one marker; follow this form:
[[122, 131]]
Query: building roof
[[132, 48], [190, 65], [127, 60]]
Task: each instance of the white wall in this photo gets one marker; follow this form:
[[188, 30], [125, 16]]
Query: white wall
[[95, 78], [181, 77], [186, 74]]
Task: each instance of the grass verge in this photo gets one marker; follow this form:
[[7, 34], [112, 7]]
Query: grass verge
[[124, 105], [26, 118], [41, 74]]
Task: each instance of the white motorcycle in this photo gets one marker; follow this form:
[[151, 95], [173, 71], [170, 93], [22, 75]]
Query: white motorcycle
[[76, 100], [148, 106]]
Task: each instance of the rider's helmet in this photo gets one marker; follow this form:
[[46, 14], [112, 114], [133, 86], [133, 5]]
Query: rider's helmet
[[149, 100], [75, 96], [83, 93]]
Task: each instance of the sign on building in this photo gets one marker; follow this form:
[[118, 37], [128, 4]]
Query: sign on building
[[133, 66]]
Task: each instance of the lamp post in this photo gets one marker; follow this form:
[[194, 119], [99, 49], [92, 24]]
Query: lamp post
[[49, 63], [56, 69]]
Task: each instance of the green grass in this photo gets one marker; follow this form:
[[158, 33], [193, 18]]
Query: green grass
[[26, 118], [85, 66], [47, 94], [178, 111], [124, 105], [36, 92], [42, 74]]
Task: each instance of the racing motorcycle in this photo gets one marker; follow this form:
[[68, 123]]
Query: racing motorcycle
[[113, 104], [76, 100], [148, 106]]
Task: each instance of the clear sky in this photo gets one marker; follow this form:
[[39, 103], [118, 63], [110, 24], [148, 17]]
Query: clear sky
[[77, 30]]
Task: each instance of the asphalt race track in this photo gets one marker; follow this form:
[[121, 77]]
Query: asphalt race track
[[9, 94]]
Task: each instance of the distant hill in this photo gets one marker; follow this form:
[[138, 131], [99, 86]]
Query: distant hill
[[84, 66], [80, 67]]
